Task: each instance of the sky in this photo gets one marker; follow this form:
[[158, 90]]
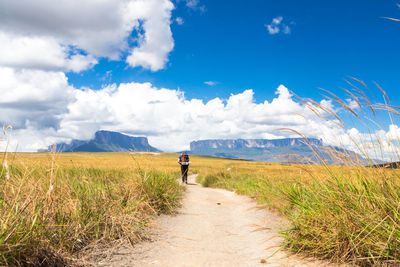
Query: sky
[[182, 70]]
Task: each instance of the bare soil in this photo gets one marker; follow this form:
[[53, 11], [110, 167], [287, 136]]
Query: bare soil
[[214, 227]]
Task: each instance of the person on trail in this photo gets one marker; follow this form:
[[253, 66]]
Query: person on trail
[[184, 162]]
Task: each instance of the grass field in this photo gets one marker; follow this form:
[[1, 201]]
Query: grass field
[[54, 205], [343, 214]]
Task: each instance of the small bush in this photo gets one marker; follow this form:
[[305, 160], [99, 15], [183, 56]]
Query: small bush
[[209, 180], [161, 190]]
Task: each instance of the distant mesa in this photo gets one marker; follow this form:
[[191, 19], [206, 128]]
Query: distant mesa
[[107, 141], [286, 150], [253, 143]]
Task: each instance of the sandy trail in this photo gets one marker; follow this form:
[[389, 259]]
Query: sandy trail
[[213, 228]]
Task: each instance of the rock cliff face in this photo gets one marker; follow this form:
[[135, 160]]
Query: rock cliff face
[[106, 141], [288, 150], [252, 143]]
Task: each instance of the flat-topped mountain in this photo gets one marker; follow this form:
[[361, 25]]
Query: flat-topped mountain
[[252, 143], [107, 141], [271, 150]]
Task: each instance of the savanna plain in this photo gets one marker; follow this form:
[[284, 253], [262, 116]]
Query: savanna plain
[[55, 207]]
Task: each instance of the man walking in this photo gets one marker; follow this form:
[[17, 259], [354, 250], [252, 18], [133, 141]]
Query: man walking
[[184, 162]]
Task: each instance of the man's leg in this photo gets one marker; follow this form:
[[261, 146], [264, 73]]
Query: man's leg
[[186, 172], [183, 173]]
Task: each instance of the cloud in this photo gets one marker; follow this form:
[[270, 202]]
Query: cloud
[[286, 30], [155, 45], [278, 26], [41, 53], [192, 3], [32, 97], [107, 76], [179, 20], [195, 5], [71, 36], [33, 102], [210, 83]]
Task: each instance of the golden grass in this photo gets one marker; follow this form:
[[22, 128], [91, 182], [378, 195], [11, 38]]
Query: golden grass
[[54, 205]]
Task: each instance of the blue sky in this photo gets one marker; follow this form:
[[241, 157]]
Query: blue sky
[[230, 44], [182, 70]]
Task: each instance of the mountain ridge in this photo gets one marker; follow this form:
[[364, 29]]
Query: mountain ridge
[[106, 141], [252, 143], [284, 150]]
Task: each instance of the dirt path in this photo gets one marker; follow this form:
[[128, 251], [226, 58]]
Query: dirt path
[[213, 228]]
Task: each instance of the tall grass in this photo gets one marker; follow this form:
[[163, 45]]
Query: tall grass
[[47, 215], [347, 218], [352, 214]]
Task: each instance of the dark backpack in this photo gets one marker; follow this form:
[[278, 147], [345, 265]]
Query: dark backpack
[[185, 158]]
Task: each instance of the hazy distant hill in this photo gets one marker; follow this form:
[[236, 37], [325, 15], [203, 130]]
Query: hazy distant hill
[[106, 141], [275, 150]]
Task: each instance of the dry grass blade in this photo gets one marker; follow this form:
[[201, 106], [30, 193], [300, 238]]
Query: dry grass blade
[[326, 109], [361, 93], [357, 80], [383, 92], [353, 97], [391, 19], [386, 108], [344, 105]]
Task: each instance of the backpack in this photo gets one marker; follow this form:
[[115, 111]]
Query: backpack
[[185, 158]]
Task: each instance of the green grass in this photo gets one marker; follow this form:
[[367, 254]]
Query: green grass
[[350, 219], [341, 216], [267, 190]]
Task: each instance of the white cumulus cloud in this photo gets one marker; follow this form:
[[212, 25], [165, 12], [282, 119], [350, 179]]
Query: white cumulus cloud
[[41, 53], [157, 42], [71, 35], [33, 98]]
